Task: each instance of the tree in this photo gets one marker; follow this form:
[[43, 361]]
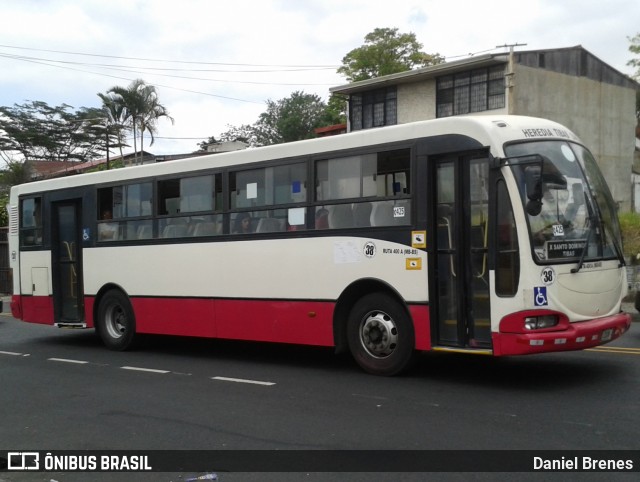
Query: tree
[[635, 49], [37, 131], [116, 117], [292, 118], [15, 173], [137, 106], [153, 110], [385, 51], [336, 110], [205, 144], [244, 133]]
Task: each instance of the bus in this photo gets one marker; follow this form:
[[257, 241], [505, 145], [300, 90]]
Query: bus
[[484, 235]]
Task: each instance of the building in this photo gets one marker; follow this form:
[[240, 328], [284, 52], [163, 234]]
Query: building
[[226, 146], [332, 130], [568, 85]]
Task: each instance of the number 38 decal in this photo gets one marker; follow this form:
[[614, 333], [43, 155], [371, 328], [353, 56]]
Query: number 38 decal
[[548, 276]]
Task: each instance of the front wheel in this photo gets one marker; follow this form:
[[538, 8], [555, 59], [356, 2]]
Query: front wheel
[[380, 335], [116, 322]]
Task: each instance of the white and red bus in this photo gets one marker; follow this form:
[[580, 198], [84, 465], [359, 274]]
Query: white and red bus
[[488, 235]]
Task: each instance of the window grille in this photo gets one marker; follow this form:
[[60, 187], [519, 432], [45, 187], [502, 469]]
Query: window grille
[[471, 91], [374, 108]]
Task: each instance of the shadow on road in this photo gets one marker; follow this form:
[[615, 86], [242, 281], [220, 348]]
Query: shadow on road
[[548, 372]]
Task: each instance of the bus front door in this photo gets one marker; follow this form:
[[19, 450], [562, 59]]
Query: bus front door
[[66, 255], [459, 283]]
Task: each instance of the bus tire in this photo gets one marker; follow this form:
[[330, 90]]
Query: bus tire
[[380, 335], [116, 322]]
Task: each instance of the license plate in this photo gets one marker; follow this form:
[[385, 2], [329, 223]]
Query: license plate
[[606, 334]]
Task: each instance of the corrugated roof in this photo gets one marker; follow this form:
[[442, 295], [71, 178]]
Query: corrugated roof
[[568, 60]]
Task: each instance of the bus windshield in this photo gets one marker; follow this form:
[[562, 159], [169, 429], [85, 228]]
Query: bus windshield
[[576, 218]]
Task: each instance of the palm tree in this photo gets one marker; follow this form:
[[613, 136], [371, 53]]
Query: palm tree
[[151, 112], [138, 107], [116, 116]]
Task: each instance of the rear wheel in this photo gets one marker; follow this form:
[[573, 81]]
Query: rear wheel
[[116, 322], [380, 335]]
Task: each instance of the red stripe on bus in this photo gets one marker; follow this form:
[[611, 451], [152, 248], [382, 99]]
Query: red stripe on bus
[[420, 316], [33, 309], [301, 322], [282, 321]]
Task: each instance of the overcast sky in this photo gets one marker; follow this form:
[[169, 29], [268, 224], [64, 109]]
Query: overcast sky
[[215, 63]]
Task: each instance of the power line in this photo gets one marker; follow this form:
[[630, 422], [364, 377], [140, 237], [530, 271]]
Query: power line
[[172, 61], [131, 70], [116, 66], [130, 80]]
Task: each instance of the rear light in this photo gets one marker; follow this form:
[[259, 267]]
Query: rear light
[[540, 322]]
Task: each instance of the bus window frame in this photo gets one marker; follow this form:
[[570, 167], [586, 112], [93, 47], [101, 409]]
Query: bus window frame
[[309, 204], [39, 241]]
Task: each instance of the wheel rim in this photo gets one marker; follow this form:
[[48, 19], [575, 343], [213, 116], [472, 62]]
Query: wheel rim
[[115, 321], [378, 334]]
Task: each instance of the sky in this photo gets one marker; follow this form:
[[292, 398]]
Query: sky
[[215, 63]]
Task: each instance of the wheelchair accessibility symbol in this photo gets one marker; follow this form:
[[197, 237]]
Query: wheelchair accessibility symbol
[[540, 296]]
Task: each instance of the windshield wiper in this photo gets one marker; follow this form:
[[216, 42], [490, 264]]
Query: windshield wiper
[[618, 249], [584, 250], [592, 220], [614, 240]]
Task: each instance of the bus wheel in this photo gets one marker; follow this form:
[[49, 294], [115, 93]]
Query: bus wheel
[[380, 335], [116, 323]]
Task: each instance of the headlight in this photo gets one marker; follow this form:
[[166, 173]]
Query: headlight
[[540, 322]]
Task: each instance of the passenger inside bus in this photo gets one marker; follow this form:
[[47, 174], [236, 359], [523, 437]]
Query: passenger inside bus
[[242, 224], [322, 218], [107, 231]]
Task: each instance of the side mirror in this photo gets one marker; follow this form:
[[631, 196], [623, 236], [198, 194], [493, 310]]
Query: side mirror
[[533, 183], [533, 207]]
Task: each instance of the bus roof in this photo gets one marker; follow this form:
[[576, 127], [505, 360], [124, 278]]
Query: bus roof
[[489, 130]]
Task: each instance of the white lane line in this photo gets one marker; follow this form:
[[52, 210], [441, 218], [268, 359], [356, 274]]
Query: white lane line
[[67, 360], [149, 370], [241, 380], [12, 353]]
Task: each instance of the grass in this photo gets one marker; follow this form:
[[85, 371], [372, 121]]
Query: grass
[[630, 225]]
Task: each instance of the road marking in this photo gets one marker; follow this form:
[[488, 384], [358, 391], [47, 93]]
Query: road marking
[[242, 380], [615, 349], [12, 353], [149, 370], [67, 360]]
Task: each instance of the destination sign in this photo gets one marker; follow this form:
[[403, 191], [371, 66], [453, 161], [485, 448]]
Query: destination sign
[[565, 248]]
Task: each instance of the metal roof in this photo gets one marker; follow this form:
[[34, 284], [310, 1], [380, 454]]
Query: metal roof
[[575, 61]]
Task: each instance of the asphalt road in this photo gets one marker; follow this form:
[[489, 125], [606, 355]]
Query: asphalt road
[[61, 390]]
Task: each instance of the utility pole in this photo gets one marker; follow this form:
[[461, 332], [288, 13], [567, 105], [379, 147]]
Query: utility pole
[[509, 74]]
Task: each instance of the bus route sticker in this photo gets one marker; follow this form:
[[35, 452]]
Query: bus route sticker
[[419, 239], [413, 264]]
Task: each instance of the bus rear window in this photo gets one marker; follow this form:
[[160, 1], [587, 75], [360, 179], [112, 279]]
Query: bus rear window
[[31, 222]]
